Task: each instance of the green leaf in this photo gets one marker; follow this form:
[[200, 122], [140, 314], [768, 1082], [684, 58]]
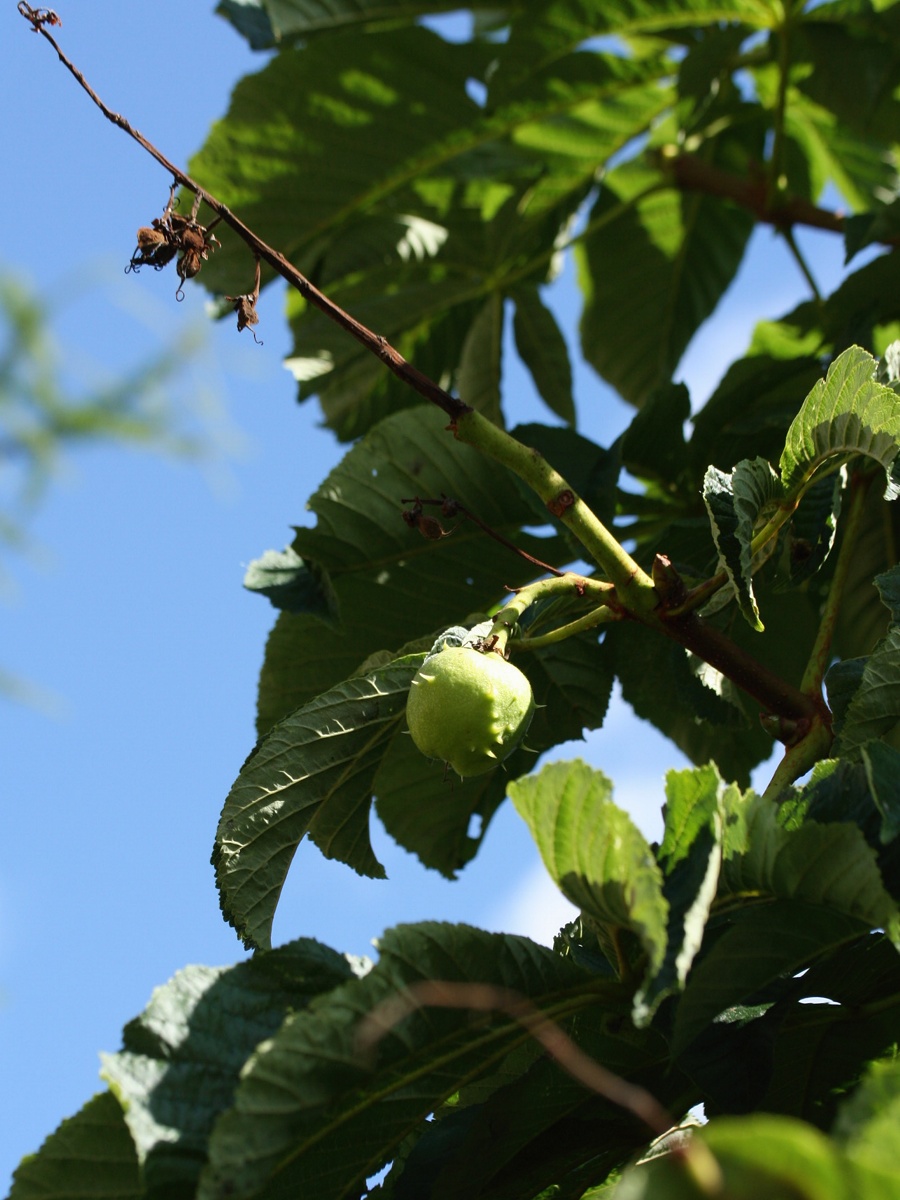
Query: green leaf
[[704, 725], [310, 775], [308, 18], [315, 1115], [736, 503], [879, 224], [847, 413], [874, 709], [752, 407], [370, 562], [882, 764], [867, 1128], [853, 72], [652, 270], [251, 20], [89, 1157], [489, 1152], [815, 887], [360, 114], [691, 856], [543, 349], [759, 1156], [653, 446], [813, 528], [290, 584], [182, 1058], [480, 367], [593, 851]]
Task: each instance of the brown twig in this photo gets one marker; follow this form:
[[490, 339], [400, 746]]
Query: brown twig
[[393, 360], [692, 174], [452, 508]]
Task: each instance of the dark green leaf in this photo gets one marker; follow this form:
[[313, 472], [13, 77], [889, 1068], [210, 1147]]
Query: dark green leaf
[[313, 1115], [310, 775], [91, 1156], [874, 709], [705, 725], [182, 1058], [291, 585], [651, 272], [882, 763], [374, 564], [480, 367], [542, 348], [654, 445], [250, 19]]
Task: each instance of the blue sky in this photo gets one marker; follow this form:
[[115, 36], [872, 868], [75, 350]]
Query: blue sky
[[130, 610]]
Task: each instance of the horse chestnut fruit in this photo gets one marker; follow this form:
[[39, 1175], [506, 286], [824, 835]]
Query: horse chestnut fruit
[[469, 708]]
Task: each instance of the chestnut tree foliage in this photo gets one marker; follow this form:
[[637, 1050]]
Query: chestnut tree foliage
[[745, 593]]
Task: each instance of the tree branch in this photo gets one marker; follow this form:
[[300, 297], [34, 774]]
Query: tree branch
[[636, 595], [379, 346], [692, 174]]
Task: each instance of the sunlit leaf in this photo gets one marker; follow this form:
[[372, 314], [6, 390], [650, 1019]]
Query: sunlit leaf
[[310, 775], [847, 413], [593, 851], [735, 504]]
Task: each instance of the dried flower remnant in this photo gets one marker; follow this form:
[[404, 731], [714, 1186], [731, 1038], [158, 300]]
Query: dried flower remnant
[[174, 234], [38, 16], [245, 307]]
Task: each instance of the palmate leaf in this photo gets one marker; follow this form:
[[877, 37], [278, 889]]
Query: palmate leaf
[[177, 1071], [313, 1115], [847, 413], [384, 124], [595, 854], [181, 1059], [734, 503], [91, 1156]]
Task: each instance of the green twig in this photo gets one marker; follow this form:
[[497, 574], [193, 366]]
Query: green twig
[[598, 616], [788, 234], [633, 586], [820, 655], [564, 585]]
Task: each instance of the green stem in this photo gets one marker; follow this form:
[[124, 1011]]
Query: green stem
[[559, 585], [788, 235], [800, 758], [598, 616], [634, 587], [820, 655]]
